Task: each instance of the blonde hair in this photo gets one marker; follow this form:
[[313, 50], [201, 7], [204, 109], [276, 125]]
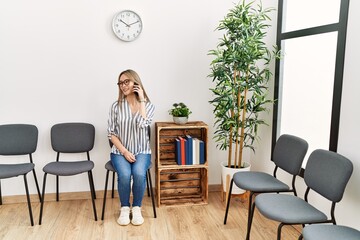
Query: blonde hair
[[132, 75]]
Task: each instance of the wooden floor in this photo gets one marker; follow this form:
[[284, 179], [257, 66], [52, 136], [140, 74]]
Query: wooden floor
[[74, 220]]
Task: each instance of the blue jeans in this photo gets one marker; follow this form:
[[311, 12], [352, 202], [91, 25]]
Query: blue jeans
[[125, 171]]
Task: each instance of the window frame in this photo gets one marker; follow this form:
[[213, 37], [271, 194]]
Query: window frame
[[341, 29]]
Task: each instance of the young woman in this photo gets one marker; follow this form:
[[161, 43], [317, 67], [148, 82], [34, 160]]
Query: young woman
[[128, 123]]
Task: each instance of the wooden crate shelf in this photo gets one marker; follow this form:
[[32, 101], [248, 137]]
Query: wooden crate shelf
[[183, 186], [179, 184]]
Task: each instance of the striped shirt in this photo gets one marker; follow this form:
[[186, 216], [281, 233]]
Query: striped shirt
[[131, 129]]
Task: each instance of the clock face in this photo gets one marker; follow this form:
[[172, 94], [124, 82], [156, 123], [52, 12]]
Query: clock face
[[127, 25]]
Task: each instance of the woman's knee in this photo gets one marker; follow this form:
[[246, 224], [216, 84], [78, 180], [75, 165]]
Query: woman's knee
[[139, 175], [124, 176]]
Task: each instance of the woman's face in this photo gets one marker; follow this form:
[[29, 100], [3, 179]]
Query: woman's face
[[126, 84]]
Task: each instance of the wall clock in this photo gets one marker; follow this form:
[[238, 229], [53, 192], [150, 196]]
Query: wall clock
[[127, 25]]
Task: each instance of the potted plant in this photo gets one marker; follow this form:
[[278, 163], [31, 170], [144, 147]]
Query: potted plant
[[240, 71], [180, 113]]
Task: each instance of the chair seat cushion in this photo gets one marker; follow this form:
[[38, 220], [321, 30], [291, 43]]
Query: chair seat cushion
[[330, 232], [287, 208], [14, 170], [259, 182], [68, 168], [109, 166]]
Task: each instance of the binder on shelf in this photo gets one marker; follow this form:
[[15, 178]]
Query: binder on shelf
[[183, 150], [189, 150], [177, 151], [196, 153], [202, 151]]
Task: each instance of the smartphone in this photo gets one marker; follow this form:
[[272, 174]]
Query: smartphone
[[136, 85]]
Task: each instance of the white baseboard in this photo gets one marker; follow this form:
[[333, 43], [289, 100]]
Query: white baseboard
[[75, 195]]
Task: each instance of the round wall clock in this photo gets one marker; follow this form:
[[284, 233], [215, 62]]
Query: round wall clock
[[127, 25]]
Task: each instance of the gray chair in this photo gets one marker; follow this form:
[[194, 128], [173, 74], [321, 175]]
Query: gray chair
[[288, 155], [110, 168], [16, 140], [330, 232], [71, 138], [327, 173]]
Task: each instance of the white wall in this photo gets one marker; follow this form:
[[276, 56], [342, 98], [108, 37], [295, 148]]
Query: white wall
[[59, 62], [348, 211]]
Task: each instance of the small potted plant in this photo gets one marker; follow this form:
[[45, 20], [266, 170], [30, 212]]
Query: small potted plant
[[180, 113]]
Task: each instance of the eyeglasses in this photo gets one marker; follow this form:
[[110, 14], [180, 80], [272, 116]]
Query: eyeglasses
[[124, 83]]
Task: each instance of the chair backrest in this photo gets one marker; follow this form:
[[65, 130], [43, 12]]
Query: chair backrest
[[289, 153], [18, 139], [72, 137], [328, 173]]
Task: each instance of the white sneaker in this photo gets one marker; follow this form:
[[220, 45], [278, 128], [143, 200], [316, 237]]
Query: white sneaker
[[124, 218], [137, 218]]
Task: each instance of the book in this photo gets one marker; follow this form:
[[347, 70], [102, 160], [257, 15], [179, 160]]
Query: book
[[189, 150], [196, 152], [202, 151], [177, 151], [183, 150]]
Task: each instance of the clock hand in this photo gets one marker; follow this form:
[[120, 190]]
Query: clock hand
[[133, 23], [125, 23]]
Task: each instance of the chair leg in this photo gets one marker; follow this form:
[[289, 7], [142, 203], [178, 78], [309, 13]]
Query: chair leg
[[92, 181], [105, 193], [250, 213], [37, 184], [92, 190], [113, 185], [147, 184], [250, 218], [279, 231], [28, 200], [0, 194], [228, 201], [57, 188], [42, 199], [151, 191]]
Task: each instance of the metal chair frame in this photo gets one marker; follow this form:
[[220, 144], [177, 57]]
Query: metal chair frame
[[90, 177], [13, 130], [302, 146]]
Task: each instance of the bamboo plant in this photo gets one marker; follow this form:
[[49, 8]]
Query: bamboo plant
[[241, 72]]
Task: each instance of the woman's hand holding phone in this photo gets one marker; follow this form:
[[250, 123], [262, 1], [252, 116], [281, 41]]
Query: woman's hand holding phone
[[138, 91]]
